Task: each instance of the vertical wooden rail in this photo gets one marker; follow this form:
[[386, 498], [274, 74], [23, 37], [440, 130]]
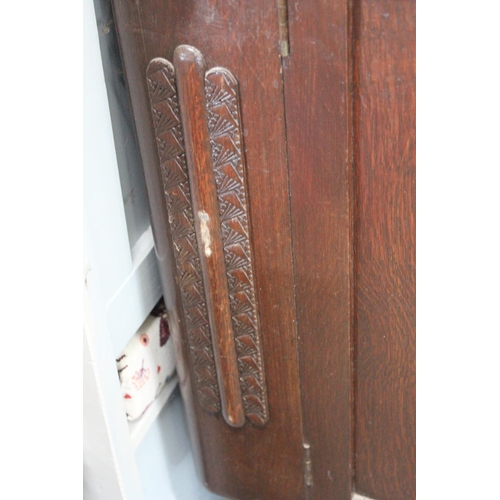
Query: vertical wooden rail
[[190, 75]]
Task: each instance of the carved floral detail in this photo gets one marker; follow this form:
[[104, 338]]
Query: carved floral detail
[[170, 146], [224, 125]]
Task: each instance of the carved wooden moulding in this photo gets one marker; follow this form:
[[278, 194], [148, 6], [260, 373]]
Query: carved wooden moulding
[[172, 158], [197, 124]]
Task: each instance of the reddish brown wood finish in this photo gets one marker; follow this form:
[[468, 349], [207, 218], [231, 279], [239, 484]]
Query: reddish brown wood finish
[[346, 196], [248, 462], [190, 76], [228, 158], [384, 131], [316, 76], [189, 275]]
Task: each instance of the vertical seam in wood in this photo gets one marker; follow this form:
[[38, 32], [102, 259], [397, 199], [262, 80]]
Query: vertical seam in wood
[[352, 235], [307, 489]]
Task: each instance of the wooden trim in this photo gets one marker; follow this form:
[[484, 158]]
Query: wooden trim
[[190, 75], [176, 189], [317, 107], [228, 158]]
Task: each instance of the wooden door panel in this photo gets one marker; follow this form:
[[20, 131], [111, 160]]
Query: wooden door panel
[[384, 228], [247, 462], [317, 99], [328, 131]]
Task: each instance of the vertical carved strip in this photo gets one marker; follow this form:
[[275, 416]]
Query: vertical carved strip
[[224, 125], [227, 160], [171, 154]]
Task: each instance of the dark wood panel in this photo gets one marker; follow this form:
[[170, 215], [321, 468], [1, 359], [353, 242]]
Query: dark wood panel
[[247, 462], [384, 131], [317, 101]]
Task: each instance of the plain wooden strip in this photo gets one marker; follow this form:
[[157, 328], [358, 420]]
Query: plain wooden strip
[[384, 127], [190, 75], [316, 78]]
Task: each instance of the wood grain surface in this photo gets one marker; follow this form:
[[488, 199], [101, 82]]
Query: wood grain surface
[[317, 98], [228, 158], [329, 146], [248, 462], [384, 132], [169, 137], [190, 69]]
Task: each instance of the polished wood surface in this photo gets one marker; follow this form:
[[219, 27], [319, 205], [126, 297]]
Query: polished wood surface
[[228, 158], [248, 462], [384, 228], [169, 135], [190, 68], [317, 102], [329, 135]]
